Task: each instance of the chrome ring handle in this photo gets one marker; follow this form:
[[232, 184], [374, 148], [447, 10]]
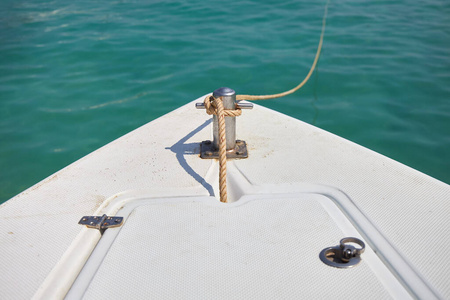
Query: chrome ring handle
[[346, 240], [343, 255]]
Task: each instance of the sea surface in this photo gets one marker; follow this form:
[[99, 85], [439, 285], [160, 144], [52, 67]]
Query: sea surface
[[75, 75]]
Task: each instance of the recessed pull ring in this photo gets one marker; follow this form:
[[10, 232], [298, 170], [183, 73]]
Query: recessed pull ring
[[345, 255]]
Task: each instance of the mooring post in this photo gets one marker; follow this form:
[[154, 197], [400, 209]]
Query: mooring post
[[229, 102], [235, 148]]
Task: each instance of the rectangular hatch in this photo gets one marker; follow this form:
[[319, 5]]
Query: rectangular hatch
[[263, 246]]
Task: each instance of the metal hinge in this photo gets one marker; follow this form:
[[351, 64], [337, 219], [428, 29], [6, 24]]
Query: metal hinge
[[101, 223]]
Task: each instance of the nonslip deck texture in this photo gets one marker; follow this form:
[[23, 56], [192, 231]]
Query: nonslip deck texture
[[409, 208]]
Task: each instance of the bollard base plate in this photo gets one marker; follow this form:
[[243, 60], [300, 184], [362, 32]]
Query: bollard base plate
[[207, 150]]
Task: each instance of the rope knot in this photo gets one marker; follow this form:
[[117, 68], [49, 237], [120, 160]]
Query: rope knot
[[212, 107]]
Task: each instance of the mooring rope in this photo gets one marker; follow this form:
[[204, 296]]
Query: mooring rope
[[215, 106], [316, 59]]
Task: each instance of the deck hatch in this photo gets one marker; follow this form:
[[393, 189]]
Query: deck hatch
[[262, 246]]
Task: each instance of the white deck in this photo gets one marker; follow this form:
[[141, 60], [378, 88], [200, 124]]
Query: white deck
[[256, 248], [400, 213]]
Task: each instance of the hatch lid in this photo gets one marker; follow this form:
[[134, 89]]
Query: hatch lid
[[263, 246]]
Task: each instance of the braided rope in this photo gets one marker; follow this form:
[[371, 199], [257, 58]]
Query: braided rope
[[316, 59], [211, 107], [214, 106], [222, 151]]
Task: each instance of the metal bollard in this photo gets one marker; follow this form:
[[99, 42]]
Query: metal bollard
[[229, 102], [235, 148]]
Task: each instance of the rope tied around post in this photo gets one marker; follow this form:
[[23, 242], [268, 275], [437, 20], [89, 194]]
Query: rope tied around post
[[211, 105], [214, 106]]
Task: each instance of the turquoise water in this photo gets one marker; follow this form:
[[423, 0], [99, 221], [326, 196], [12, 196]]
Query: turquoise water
[[76, 75]]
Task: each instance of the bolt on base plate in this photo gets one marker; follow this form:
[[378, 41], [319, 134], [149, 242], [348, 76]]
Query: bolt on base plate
[[207, 150]]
